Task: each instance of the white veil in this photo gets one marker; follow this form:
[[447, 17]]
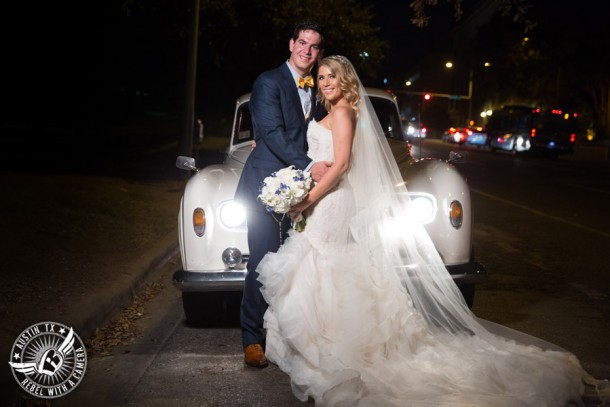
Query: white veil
[[397, 242], [383, 206]]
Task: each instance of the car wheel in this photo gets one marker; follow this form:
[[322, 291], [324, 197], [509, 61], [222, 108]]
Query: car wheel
[[212, 308], [468, 294], [513, 148]]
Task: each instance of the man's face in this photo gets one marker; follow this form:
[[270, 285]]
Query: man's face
[[304, 51]]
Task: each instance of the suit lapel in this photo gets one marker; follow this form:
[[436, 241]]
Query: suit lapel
[[314, 105], [293, 92]]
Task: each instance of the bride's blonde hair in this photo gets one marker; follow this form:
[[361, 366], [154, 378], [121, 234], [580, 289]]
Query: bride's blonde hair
[[347, 79]]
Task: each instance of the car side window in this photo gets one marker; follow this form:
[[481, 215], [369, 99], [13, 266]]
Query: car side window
[[243, 125], [388, 118]]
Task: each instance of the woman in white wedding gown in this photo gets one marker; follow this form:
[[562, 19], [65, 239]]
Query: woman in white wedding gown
[[356, 319]]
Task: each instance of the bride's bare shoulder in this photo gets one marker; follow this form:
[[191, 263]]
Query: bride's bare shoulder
[[344, 113]]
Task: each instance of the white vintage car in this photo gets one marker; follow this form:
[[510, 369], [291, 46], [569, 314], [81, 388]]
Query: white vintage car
[[212, 227]]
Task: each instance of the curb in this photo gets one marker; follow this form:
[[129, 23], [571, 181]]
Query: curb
[[108, 306], [104, 306]]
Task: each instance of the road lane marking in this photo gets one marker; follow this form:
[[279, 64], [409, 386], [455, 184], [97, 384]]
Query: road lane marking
[[539, 213], [601, 191], [589, 292]]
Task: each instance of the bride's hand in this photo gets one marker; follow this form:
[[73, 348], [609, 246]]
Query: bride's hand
[[295, 215], [297, 210]]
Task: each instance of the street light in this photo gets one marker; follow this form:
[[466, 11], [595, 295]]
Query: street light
[[486, 64], [449, 65]]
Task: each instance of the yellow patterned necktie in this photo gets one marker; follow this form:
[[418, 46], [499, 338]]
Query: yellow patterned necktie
[[308, 81]]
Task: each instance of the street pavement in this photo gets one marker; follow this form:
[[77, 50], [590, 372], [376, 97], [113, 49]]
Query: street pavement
[[104, 301]]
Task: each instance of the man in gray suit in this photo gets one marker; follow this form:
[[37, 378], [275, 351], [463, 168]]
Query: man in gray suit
[[282, 104]]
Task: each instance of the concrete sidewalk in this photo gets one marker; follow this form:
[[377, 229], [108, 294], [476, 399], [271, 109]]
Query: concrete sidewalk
[[76, 248], [103, 305]]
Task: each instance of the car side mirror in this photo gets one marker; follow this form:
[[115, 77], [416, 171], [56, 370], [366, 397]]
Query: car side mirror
[[186, 163], [455, 156]]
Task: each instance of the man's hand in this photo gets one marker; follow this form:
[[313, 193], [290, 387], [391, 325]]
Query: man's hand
[[319, 169]]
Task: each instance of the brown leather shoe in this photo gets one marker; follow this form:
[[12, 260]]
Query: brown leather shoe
[[254, 355]]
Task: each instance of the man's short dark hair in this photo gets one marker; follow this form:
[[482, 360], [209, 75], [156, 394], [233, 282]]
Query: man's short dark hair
[[309, 25]]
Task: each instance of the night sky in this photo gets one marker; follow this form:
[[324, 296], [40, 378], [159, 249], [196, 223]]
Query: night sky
[[408, 44], [69, 63]]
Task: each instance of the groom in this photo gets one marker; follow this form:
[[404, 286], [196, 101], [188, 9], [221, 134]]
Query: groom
[[282, 104]]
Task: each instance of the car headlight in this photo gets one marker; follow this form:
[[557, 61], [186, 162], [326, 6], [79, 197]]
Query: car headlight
[[423, 207], [520, 141], [232, 215]]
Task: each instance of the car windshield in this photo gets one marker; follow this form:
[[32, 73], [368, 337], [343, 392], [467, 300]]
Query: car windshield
[[385, 109]]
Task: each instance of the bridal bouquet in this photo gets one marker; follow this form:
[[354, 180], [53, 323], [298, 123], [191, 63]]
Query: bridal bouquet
[[283, 189]]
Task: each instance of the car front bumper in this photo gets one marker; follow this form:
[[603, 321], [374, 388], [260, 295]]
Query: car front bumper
[[197, 281], [467, 273], [233, 280], [553, 145]]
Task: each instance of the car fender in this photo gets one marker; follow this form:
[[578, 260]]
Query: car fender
[[443, 181], [208, 189]]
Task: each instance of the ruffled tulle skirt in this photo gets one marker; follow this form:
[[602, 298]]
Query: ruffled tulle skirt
[[347, 334]]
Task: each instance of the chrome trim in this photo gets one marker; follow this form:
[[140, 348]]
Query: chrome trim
[[198, 281]]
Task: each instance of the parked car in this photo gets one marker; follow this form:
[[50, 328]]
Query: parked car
[[212, 227], [521, 128], [414, 129], [453, 135], [465, 135], [509, 129], [553, 131], [476, 136]]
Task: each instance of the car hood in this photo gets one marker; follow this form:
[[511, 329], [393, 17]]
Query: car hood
[[239, 154]]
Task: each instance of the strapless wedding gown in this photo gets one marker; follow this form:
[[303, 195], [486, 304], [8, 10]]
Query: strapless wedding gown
[[348, 334]]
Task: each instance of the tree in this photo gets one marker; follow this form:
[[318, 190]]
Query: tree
[[238, 40], [347, 24], [562, 64], [516, 8]]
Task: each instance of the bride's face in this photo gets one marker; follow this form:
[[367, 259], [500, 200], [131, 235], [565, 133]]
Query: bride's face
[[328, 84]]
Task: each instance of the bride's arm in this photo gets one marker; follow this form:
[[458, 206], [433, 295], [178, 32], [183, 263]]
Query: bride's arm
[[342, 128]]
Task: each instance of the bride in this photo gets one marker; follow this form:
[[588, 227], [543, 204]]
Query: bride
[[356, 319]]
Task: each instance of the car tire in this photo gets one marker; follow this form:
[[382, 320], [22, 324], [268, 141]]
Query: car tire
[[211, 308], [467, 291]]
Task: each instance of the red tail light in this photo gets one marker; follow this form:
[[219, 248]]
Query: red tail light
[[572, 138], [533, 133]]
